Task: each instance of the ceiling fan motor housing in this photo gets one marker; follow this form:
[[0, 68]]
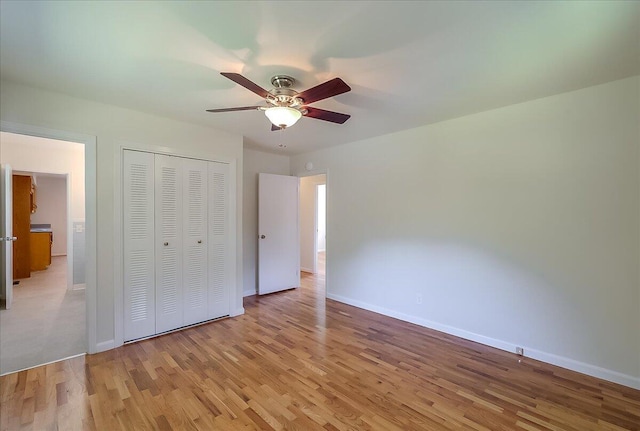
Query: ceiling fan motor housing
[[282, 81]]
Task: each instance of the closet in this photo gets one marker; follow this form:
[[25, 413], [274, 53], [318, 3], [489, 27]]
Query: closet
[[177, 254]]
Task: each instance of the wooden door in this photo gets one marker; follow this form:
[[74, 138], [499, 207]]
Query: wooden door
[[22, 226]]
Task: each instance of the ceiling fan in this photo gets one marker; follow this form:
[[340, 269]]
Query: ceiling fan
[[284, 105]]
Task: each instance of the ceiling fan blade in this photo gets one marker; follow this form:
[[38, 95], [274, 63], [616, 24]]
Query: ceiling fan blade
[[241, 108], [274, 128], [321, 114], [249, 85], [328, 89]]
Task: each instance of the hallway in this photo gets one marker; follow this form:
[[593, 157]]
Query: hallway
[[46, 321]]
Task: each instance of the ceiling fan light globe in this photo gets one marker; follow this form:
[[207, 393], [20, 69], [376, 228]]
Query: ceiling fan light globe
[[283, 116]]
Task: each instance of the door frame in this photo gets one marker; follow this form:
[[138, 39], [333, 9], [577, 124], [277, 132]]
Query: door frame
[[316, 247], [6, 230], [90, 164], [313, 173]]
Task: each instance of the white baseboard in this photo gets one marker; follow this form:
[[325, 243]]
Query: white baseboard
[[550, 358], [249, 293], [42, 365], [105, 345], [237, 312]]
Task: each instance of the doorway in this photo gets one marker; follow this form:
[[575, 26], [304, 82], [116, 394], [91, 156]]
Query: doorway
[[313, 227], [47, 320]]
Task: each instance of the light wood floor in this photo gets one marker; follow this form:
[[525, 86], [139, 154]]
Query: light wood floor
[[296, 361]]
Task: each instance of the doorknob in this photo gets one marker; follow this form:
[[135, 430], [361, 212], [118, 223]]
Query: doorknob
[[166, 244], [9, 238], [263, 236]]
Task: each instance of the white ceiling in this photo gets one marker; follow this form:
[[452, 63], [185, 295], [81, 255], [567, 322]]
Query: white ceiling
[[408, 63]]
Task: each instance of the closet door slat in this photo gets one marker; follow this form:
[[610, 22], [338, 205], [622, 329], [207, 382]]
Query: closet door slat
[[219, 259], [195, 240], [169, 243], [138, 244]]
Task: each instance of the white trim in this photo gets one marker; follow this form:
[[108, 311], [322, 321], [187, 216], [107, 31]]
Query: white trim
[[118, 247], [69, 234], [106, 345], [90, 152], [234, 267], [312, 173], [316, 188], [249, 293], [45, 364], [550, 358]]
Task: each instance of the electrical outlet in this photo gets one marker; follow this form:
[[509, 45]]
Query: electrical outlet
[[419, 298], [519, 351]]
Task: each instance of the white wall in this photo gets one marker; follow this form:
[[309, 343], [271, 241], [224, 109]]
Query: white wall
[[113, 127], [40, 155], [322, 217], [308, 210], [255, 162], [518, 226], [51, 198]]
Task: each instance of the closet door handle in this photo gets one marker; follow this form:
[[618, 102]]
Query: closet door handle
[[199, 241], [166, 244]]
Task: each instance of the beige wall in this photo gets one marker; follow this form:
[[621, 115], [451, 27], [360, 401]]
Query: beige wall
[[255, 162], [513, 227]]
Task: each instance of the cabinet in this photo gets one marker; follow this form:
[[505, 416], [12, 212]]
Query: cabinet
[[22, 226], [177, 252], [32, 198], [41, 250]]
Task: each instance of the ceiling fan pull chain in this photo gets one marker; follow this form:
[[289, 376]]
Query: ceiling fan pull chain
[[281, 144]]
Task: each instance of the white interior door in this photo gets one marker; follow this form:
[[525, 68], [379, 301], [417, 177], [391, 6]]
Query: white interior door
[[138, 241], [6, 235], [220, 262], [195, 181], [169, 243], [278, 240]]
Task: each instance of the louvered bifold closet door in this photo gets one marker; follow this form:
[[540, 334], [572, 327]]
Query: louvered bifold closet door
[[220, 263], [195, 240], [169, 244], [138, 241]]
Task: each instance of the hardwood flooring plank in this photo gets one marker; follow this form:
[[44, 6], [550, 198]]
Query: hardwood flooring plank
[[297, 361]]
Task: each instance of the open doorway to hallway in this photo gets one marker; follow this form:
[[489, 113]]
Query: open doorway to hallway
[[313, 227], [46, 321]]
